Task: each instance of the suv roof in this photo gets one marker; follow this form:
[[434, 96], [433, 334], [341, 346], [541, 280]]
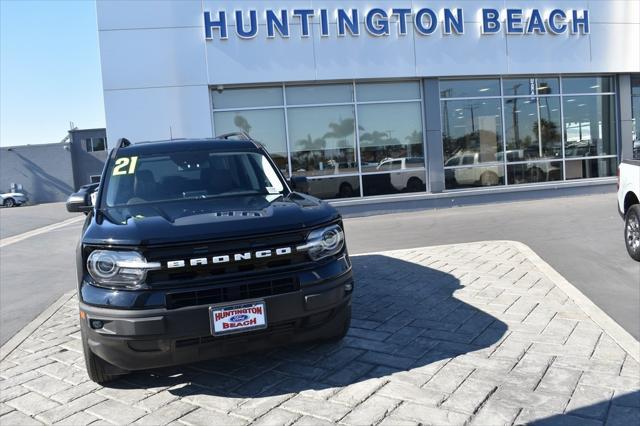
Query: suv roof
[[215, 144]]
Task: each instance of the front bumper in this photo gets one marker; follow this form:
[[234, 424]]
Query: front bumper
[[135, 339]]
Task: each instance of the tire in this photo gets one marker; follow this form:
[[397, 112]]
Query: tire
[[414, 185], [489, 179], [346, 191], [632, 231], [96, 367], [344, 328], [9, 202], [537, 175]]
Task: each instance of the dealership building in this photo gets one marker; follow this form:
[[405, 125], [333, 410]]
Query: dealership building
[[388, 101]]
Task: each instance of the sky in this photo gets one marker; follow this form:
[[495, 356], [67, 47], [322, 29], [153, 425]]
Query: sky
[[49, 70]]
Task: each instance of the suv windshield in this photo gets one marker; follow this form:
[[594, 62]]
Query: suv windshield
[[188, 175]]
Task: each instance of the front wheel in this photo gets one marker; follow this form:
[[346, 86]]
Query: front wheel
[[343, 329], [489, 179], [632, 231], [346, 190], [97, 368], [9, 202]]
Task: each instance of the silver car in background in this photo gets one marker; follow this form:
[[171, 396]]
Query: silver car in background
[[12, 199]]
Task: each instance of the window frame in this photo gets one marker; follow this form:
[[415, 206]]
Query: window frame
[[355, 103], [502, 97], [90, 142]]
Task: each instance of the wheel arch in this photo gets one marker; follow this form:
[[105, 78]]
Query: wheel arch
[[629, 200]]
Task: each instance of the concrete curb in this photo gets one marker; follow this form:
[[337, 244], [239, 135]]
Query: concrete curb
[[621, 336], [22, 335]]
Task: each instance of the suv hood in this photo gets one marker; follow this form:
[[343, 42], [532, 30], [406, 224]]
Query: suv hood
[[200, 220]]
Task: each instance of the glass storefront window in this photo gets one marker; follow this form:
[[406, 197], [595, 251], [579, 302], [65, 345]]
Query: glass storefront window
[[370, 92], [472, 128], [591, 168], [322, 140], [469, 88], [319, 94], [335, 187], [468, 177], [589, 126], [390, 133], [534, 172], [247, 98], [590, 84], [393, 183], [532, 128], [539, 124], [531, 86], [266, 126]]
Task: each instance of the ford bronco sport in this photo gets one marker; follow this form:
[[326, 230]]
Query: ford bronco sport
[[196, 249]]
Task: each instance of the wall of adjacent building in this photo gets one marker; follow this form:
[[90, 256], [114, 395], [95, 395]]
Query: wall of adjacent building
[[86, 164], [44, 171]]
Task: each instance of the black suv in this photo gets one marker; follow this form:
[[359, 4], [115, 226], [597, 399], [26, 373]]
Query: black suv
[[195, 249]]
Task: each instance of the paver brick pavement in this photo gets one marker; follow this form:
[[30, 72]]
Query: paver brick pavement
[[462, 334]]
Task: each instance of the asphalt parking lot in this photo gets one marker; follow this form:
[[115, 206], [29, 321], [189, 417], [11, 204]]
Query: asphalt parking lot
[[18, 220]]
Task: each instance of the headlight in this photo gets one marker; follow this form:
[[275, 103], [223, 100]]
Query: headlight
[[324, 242], [126, 269]]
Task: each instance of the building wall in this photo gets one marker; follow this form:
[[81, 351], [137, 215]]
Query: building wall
[[44, 171], [157, 66], [86, 164]]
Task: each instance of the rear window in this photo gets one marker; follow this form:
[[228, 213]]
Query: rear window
[[152, 178]]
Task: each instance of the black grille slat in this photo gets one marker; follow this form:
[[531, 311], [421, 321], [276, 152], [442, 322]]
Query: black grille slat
[[231, 293], [233, 270]]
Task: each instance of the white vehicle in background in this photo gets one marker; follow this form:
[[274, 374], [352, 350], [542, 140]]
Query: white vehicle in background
[[629, 204], [401, 177], [13, 199]]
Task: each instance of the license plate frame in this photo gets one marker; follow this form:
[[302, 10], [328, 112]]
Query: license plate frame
[[252, 309]]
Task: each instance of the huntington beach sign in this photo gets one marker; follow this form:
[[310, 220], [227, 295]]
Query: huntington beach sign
[[381, 22]]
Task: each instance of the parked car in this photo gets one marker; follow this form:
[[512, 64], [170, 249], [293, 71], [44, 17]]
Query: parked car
[[402, 177], [629, 204], [472, 176], [196, 249], [13, 199]]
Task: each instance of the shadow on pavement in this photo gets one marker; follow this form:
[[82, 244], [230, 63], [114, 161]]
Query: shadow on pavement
[[405, 318], [623, 410]]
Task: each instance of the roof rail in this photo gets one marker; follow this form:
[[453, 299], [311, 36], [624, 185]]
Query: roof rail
[[242, 135], [245, 136], [122, 142]]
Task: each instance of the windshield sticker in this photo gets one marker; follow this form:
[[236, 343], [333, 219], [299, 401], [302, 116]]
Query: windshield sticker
[[125, 166]]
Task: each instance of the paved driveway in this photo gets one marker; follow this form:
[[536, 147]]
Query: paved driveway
[[581, 237], [472, 333]]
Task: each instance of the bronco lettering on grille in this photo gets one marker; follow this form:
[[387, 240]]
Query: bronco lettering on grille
[[226, 258]]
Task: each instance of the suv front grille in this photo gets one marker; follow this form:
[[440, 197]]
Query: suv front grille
[[213, 273], [231, 293]]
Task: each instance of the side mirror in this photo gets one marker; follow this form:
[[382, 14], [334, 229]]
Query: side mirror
[[299, 184], [81, 201]]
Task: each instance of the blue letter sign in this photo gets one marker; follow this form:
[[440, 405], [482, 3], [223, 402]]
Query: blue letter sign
[[276, 24]]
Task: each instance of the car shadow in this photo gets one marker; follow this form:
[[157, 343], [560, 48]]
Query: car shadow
[[405, 317], [622, 410]]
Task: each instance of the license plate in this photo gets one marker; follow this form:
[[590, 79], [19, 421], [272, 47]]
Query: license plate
[[237, 318]]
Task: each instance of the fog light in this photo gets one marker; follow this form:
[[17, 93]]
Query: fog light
[[96, 324], [348, 287]]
